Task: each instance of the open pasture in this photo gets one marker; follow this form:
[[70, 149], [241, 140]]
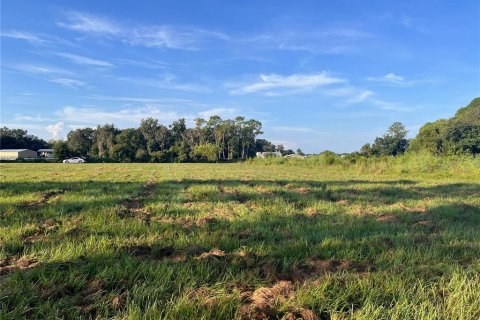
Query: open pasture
[[236, 241]]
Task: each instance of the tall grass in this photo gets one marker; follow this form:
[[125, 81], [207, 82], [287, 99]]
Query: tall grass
[[406, 164]]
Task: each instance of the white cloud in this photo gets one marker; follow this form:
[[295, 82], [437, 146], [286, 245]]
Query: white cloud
[[71, 83], [84, 60], [22, 35], [124, 117], [163, 36], [392, 79], [360, 96], [37, 69], [55, 130], [90, 23], [294, 81]]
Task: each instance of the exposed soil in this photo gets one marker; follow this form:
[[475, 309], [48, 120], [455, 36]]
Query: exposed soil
[[300, 313], [43, 199], [43, 230], [261, 303], [388, 218], [212, 254], [317, 267], [8, 265], [135, 207]]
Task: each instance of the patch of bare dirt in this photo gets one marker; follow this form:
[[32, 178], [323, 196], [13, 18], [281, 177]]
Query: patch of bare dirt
[[317, 267], [205, 296], [119, 302], [344, 201], [261, 303], [42, 231], [45, 196], [302, 190], [387, 218], [264, 190], [417, 209], [212, 254], [426, 225], [135, 207], [312, 212], [206, 221], [8, 265], [300, 313]]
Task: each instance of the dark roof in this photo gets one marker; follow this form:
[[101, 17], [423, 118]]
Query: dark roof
[[45, 150]]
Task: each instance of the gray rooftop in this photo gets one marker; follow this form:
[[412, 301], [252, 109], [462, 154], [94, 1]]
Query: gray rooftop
[[12, 150]]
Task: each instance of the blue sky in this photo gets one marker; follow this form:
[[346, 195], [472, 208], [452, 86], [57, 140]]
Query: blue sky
[[318, 74]]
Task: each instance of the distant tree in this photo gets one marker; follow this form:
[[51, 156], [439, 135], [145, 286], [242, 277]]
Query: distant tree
[[288, 152], [431, 138], [106, 139], [393, 143], [81, 141], [299, 152], [206, 152], [262, 145], [20, 139], [61, 150], [126, 145], [366, 150], [457, 135]]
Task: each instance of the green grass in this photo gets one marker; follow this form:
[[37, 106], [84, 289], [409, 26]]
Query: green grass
[[131, 241]]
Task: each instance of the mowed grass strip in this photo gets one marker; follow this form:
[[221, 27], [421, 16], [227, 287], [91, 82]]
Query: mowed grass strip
[[236, 241]]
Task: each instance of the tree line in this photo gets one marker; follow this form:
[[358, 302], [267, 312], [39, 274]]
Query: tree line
[[209, 140], [236, 139], [457, 135]]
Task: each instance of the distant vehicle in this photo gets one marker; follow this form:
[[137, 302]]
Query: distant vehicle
[[74, 160]]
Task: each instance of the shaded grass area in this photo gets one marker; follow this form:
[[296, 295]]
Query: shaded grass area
[[236, 241]]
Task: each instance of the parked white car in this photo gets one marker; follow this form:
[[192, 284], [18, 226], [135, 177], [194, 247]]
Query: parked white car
[[74, 160]]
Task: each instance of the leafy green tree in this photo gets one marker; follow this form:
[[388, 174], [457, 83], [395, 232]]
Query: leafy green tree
[[81, 141], [393, 143], [20, 139], [206, 152], [61, 151]]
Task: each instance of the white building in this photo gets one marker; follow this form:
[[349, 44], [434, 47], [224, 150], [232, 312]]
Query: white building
[[14, 154]]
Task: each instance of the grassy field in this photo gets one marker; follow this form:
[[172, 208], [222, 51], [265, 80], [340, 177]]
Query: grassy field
[[238, 241]]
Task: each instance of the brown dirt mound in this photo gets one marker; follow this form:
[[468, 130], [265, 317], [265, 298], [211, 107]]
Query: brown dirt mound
[[317, 267], [300, 313], [212, 254], [261, 303], [8, 265]]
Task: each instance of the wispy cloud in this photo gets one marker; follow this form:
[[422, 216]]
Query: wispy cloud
[[70, 83], [75, 58], [327, 40], [168, 82], [391, 79], [23, 35], [39, 69], [266, 83], [163, 36]]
